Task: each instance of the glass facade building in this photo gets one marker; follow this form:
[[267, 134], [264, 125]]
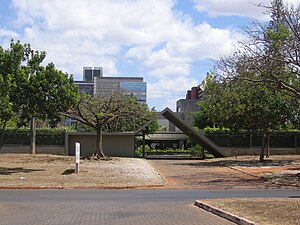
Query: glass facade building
[[85, 86], [138, 89], [130, 85]]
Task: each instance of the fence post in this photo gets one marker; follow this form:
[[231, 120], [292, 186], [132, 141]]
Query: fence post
[[250, 139]]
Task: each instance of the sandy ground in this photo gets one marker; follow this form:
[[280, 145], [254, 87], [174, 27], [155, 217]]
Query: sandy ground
[[231, 173], [24, 170], [263, 211], [39, 171]]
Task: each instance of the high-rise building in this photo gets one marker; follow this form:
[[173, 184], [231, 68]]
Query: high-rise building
[[95, 84], [190, 103], [129, 85], [89, 73], [86, 86], [195, 93]]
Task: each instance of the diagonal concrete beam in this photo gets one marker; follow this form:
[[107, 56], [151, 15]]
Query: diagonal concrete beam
[[198, 137]]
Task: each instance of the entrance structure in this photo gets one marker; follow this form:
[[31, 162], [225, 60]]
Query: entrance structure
[[198, 137]]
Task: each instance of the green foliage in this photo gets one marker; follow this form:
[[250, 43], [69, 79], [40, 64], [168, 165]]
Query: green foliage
[[47, 93], [222, 130], [10, 63], [114, 111], [44, 136], [270, 53], [30, 90], [122, 124], [79, 127], [168, 152], [240, 105], [139, 151], [194, 151], [200, 118]]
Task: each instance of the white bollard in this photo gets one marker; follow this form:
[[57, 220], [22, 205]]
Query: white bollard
[[77, 156]]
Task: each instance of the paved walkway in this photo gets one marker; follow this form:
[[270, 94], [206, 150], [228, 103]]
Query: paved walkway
[[197, 174]]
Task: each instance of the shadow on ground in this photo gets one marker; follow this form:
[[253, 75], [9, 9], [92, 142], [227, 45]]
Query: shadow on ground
[[68, 172], [247, 163], [9, 171]]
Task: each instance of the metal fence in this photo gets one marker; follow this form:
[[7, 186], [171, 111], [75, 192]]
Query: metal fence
[[288, 140]]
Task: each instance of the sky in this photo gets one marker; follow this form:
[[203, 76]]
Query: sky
[[172, 44]]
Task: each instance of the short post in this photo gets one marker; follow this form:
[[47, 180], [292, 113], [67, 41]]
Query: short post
[[77, 156], [236, 154], [143, 147]]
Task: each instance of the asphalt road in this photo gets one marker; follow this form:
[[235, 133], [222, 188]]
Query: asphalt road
[[74, 207]]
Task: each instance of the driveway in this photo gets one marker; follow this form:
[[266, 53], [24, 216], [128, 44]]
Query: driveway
[[209, 175]]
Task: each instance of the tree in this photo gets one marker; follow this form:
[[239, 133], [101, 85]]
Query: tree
[[200, 117], [10, 63], [123, 124], [36, 91], [240, 105], [99, 112], [272, 51], [269, 58], [6, 111]]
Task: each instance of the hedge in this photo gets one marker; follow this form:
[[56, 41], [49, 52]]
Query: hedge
[[43, 137]]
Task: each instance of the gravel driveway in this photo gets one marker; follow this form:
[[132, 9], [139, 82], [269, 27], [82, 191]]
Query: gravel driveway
[[43, 171]]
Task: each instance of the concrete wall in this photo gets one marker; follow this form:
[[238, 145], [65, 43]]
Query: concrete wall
[[49, 149], [114, 144]]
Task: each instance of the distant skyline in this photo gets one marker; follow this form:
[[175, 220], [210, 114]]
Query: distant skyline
[[171, 44]]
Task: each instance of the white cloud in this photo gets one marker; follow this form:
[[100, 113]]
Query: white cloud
[[8, 33], [205, 42], [165, 42], [90, 30], [167, 91], [6, 36], [236, 7]]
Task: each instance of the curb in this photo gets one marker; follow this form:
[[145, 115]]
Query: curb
[[159, 173], [226, 215], [81, 188], [244, 172]]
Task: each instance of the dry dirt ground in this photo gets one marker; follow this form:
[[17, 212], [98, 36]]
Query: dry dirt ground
[[38, 171], [242, 173], [281, 171], [230, 173], [262, 211]]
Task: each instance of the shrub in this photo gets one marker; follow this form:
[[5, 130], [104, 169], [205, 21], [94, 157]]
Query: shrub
[[45, 136]]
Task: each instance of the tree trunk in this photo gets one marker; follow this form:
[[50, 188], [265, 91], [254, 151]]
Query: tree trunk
[[267, 145], [32, 135], [2, 134], [99, 145], [263, 146], [202, 153]]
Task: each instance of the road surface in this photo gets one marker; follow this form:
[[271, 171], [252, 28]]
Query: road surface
[[18, 207]]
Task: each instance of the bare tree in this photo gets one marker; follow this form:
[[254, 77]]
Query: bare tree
[[271, 54], [97, 112]]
